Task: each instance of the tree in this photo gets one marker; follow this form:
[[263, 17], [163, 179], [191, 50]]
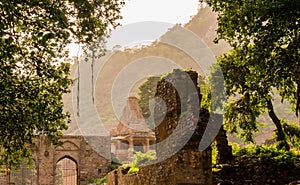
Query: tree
[[213, 86], [264, 59], [34, 73], [140, 158], [146, 94]]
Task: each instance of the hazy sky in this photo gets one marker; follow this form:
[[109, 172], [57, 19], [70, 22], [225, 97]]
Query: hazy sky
[[168, 12]]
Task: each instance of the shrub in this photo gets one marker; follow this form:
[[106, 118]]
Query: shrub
[[139, 159], [214, 155], [98, 181], [292, 132], [102, 180], [270, 153], [133, 169], [115, 160]]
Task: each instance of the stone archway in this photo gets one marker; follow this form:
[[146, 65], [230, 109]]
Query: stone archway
[[89, 164], [66, 171]]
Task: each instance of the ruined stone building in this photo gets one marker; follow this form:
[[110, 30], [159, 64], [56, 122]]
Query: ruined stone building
[[76, 160], [180, 125], [73, 163], [131, 133]]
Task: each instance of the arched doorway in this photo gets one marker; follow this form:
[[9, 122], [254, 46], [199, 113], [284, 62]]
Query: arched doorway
[[66, 171]]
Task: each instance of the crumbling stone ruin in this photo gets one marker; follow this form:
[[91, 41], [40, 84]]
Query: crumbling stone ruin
[[89, 163], [180, 125], [179, 128]]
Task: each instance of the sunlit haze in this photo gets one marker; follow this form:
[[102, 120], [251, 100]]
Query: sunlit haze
[[170, 11], [167, 11]]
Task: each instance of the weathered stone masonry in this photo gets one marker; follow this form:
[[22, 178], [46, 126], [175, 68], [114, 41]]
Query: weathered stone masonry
[[89, 163], [179, 160], [77, 148]]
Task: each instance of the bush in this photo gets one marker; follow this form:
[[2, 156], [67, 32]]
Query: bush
[[237, 150], [292, 132], [133, 169], [214, 155], [270, 153], [103, 180], [139, 159], [98, 181], [115, 159], [112, 167]]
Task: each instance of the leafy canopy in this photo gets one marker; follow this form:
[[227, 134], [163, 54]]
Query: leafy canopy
[[264, 36], [146, 93], [34, 73]]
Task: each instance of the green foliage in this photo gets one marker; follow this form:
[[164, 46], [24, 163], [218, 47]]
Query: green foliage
[[214, 155], [217, 88], [58, 174], [115, 160], [235, 148], [112, 167], [147, 93], [206, 97], [270, 153], [34, 69], [103, 180], [133, 169], [98, 181], [264, 36], [140, 158], [241, 117], [292, 132], [213, 90], [148, 89]]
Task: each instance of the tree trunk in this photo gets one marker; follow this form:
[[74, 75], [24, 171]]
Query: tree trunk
[[276, 121]]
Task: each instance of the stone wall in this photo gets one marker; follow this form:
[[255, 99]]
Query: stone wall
[[249, 170], [90, 164], [176, 112], [178, 133], [4, 178], [185, 168]]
